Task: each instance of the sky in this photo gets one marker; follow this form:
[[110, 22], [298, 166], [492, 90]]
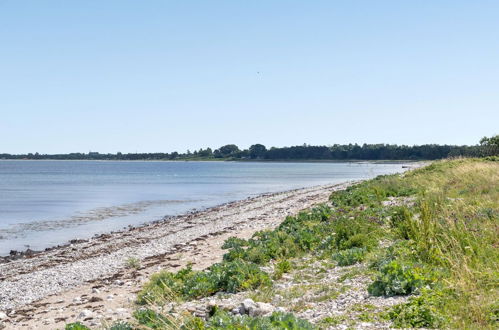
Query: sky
[[162, 76]]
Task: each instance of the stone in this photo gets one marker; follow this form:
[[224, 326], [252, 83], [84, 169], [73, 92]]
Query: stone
[[95, 290], [262, 309], [3, 316], [84, 314], [247, 305]]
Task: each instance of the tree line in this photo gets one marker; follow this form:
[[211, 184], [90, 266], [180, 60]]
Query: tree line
[[487, 147]]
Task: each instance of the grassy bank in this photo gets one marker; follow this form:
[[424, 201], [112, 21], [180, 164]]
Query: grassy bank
[[430, 234]]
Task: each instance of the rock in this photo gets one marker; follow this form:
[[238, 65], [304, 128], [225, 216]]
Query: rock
[[110, 297], [3, 316], [77, 300], [95, 290], [262, 309], [84, 314], [119, 282], [247, 305], [280, 309]]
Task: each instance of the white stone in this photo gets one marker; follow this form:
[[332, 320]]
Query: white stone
[[85, 314]]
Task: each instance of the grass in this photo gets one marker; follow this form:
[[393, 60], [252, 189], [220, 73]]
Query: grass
[[133, 263], [442, 251]]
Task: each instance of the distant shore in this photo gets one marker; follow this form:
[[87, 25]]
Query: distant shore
[[354, 161]]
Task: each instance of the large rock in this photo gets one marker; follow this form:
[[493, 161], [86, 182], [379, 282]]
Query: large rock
[[249, 307], [261, 309]]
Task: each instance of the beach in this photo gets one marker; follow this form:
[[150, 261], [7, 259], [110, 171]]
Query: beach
[[93, 280]]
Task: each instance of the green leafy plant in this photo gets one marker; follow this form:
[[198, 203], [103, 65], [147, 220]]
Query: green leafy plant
[[224, 320], [350, 256], [397, 278], [423, 311], [76, 326], [121, 325], [230, 276]]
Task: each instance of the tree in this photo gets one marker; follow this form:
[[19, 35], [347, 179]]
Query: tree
[[490, 145], [257, 151], [226, 151]]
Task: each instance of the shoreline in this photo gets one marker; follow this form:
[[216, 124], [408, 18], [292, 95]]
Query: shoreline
[[17, 255], [28, 282], [356, 161]]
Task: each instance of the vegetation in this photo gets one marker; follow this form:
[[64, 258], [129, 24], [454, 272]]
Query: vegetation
[[350, 256], [133, 262], [487, 147], [277, 321], [439, 228], [232, 276]]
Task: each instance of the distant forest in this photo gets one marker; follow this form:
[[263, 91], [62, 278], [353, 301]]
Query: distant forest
[[487, 147]]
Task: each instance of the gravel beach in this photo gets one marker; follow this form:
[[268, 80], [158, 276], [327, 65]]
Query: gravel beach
[[34, 290]]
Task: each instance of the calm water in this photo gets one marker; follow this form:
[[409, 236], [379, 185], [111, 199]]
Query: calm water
[[45, 203]]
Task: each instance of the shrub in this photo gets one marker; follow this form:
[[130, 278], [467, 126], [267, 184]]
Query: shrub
[[398, 279], [233, 276], [419, 312], [234, 242], [350, 256]]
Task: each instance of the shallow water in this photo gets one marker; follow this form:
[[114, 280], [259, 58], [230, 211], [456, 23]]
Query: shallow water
[[45, 203]]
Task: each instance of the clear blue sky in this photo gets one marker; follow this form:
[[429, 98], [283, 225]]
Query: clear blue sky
[[147, 76]]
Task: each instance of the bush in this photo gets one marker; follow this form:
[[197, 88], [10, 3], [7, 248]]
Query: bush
[[398, 279], [419, 312], [233, 276], [350, 256], [234, 242]]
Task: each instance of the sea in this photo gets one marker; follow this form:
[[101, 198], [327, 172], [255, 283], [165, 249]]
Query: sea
[[48, 203]]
